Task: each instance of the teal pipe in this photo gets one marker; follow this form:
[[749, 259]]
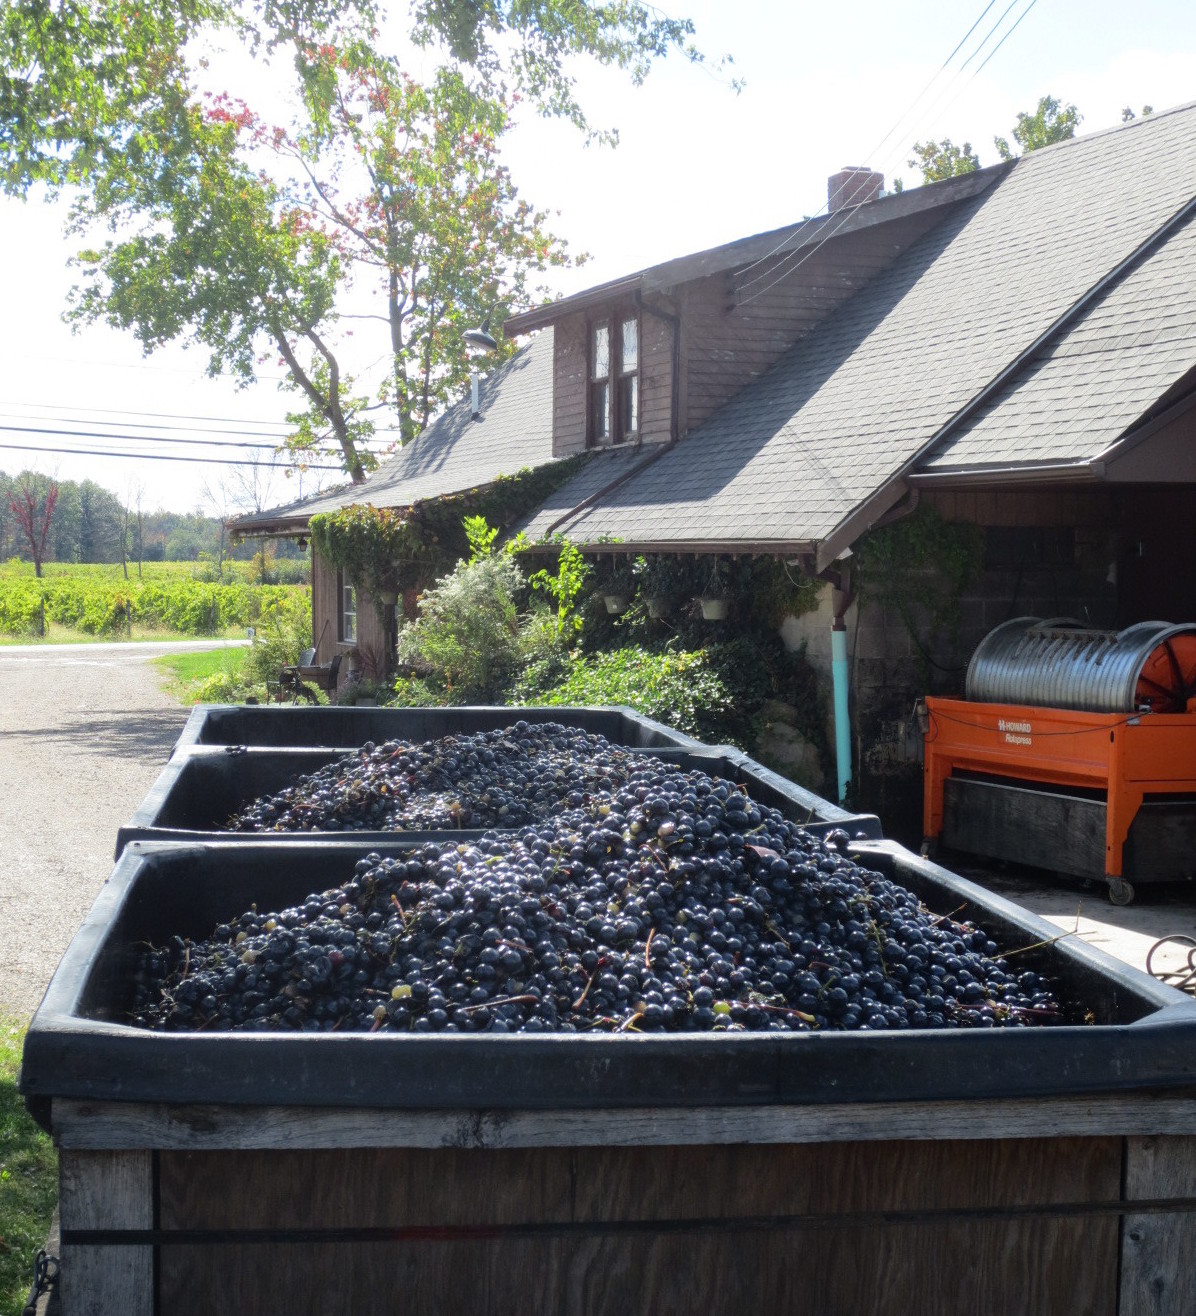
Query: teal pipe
[[842, 722]]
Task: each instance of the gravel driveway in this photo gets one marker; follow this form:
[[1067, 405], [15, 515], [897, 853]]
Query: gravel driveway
[[84, 731]]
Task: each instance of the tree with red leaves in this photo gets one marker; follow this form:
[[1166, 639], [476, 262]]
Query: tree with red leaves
[[32, 501], [253, 240]]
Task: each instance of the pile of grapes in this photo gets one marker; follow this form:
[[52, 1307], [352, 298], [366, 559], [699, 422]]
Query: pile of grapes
[[505, 778], [670, 903]]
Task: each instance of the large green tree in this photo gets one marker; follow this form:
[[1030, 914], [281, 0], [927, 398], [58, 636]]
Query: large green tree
[[249, 237]]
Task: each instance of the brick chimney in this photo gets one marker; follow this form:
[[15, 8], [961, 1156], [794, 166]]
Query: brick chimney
[[852, 186]]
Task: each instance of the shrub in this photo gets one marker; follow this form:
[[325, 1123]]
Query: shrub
[[466, 639], [680, 688]]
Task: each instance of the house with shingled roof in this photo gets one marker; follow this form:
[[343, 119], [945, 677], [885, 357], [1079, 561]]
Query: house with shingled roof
[[1013, 348]]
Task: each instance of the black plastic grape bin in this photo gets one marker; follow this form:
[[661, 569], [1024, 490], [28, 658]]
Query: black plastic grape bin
[[200, 788], [349, 727], [1043, 1171], [1145, 1034]]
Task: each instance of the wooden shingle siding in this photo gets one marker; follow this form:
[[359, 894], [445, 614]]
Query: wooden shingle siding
[[732, 339], [570, 371], [323, 607], [656, 376], [1023, 506]]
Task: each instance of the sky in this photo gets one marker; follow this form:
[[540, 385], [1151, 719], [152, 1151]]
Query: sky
[[826, 85]]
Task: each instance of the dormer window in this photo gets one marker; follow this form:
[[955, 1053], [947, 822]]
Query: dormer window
[[614, 380]]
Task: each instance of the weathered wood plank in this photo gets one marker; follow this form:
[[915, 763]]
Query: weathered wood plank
[[843, 1178], [570, 374], [379, 1188], [106, 1190], [116, 1125], [1032, 1268], [882, 1228], [1158, 1258]]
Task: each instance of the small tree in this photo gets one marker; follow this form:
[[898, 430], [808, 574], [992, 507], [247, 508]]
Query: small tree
[[939, 160], [33, 508], [1051, 122]]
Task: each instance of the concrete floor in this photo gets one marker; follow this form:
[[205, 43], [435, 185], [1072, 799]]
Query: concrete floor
[[1126, 932]]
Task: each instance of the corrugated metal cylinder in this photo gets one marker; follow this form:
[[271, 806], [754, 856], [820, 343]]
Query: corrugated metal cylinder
[[1061, 663]]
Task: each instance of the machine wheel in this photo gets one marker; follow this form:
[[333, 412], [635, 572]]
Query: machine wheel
[[930, 847], [1121, 892]]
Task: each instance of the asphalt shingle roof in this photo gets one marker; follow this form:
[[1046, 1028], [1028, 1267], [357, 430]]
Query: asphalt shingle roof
[[789, 458], [1078, 397], [456, 452]]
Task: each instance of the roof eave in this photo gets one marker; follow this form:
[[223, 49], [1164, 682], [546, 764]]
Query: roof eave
[[776, 242], [1010, 473]]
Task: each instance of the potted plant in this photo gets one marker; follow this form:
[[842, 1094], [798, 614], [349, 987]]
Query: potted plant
[[714, 599], [664, 580], [616, 583]]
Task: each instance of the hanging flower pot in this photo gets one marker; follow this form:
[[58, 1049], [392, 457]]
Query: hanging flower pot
[[616, 604], [657, 607], [713, 607], [388, 597]]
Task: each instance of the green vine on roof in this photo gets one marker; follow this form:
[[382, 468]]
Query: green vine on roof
[[387, 549]]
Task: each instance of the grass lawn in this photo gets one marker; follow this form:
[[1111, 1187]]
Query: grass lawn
[[28, 1180], [187, 670]]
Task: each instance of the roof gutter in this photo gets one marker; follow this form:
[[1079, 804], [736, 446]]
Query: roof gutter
[[865, 515], [1010, 473], [803, 549]]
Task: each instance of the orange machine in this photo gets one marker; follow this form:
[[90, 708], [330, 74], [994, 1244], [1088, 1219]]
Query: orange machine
[[1104, 787]]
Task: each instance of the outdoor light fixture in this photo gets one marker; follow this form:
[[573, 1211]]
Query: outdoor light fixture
[[301, 543], [479, 343]]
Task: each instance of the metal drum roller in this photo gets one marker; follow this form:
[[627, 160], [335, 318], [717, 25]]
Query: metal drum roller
[[1074, 750], [1061, 663]]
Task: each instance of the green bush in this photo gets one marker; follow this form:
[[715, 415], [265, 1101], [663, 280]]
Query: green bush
[[466, 639], [682, 689]]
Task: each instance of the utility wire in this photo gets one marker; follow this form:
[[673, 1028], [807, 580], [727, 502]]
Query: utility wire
[[162, 457], [945, 99], [897, 124], [798, 256], [1006, 37], [136, 438], [125, 411]]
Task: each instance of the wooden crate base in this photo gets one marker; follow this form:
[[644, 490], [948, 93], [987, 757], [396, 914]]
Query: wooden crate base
[[1092, 1225]]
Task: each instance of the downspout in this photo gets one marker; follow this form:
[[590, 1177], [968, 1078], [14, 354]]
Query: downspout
[[841, 599]]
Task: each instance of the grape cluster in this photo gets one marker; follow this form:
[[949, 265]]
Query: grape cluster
[[673, 902], [505, 778]]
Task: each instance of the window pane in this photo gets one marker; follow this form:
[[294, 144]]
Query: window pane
[[600, 401], [601, 352], [349, 615], [631, 345], [629, 404]]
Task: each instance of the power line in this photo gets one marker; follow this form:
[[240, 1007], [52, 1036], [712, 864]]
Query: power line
[[783, 268], [1006, 37], [156, 415], [945, 99], [162, 457], [135, 438], [897, 124]]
